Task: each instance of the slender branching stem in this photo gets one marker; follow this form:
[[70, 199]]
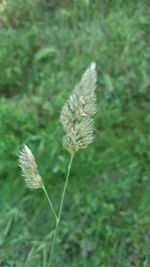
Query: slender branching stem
[[50, 203], [60, 210]]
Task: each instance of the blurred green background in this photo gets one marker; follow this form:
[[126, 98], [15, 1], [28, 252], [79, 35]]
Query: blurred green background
[[45, 45]]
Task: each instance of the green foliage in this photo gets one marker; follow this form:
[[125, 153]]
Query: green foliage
[[44, 48]]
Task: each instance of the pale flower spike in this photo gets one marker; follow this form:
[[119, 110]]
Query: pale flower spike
[[76, 114], [29, 169]]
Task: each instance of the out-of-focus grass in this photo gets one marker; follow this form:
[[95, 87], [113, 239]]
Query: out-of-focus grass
[[44, 48]]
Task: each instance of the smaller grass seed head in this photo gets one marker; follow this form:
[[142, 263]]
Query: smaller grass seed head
[[76, 115], [29, 169]]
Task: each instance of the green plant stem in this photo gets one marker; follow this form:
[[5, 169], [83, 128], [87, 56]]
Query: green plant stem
[[60, 209], [50, 203]]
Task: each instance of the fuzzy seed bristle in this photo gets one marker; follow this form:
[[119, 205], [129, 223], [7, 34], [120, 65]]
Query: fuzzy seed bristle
[[76, 114], [29, 169]]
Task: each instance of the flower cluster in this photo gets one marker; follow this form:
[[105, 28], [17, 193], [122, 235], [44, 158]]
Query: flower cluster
[[76, 114], [29, 169]]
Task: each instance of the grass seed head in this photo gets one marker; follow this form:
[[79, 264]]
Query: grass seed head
[[29, 169], [76, 115]]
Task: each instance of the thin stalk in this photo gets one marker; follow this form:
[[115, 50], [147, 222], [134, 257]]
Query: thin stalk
[[60, 209], [50, 203]]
